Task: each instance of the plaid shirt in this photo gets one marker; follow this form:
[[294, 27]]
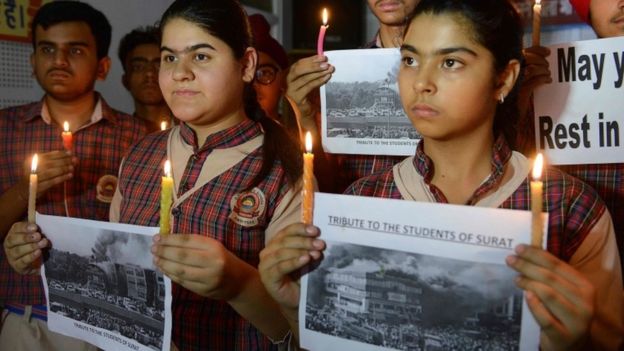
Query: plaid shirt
[[99, 148], [201, 323], [573, 207]]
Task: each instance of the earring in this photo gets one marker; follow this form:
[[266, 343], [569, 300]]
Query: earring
[[502, 98]]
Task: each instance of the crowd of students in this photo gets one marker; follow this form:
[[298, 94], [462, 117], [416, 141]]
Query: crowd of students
[[234, 267]]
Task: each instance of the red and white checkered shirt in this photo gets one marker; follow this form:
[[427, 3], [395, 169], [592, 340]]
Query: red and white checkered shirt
[[220, 207], [99, 147]]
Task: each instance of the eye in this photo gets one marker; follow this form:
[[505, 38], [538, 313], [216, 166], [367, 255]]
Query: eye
[[201, 57], [168, 58], [47, 49], [76, 51], [451, 63], [409, 61]]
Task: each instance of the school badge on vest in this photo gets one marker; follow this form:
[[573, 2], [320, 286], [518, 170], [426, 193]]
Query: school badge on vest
[[247, 207]]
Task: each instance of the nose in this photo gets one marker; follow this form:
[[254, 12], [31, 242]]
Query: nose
[[424, 81], [60, 58], [182, 71]]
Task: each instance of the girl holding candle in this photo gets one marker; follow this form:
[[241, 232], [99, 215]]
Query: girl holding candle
[[236, 177], [458, 85]]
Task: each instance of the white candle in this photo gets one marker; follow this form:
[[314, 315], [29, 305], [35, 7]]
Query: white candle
[[537, 19], [321, 36], [32, 189], [537, 226]]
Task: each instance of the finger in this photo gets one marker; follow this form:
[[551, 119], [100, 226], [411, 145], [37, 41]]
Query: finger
[[292, 242], [21, 234], [24, 262], [184, 273], [548, 324], [20, 251], [191, 241]]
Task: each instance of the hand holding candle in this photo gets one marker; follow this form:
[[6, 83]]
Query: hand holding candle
[[67, 137], [166, 198], [32, 189], [307, 193], [537, 226], [537, 19], [321, 36]]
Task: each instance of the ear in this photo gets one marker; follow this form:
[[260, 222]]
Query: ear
[[507, 79], [249, 62], [103, 68]]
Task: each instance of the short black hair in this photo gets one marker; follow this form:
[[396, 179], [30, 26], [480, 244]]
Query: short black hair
[[62, 11], [138, 36]]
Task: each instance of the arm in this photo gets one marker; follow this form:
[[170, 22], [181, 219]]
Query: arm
[[203, 265], [293, 248], [54, 168], [560, 298]]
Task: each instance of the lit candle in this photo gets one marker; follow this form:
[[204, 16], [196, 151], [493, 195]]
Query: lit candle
[[32, 189], [321, 36], [307, 193], [537, 225], [67, 137], [537, 19], [166, 198], [163, 125]]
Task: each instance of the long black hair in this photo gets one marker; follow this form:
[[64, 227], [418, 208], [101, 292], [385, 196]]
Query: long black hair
[[497, 26], [227, 20]]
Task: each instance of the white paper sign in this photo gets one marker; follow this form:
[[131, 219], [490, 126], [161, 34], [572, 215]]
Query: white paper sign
[[415, 276], [361, 111], [579, 117], [102, 287]]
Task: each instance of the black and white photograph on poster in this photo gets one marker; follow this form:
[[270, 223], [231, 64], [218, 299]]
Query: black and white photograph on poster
[[415, 276], [102, 287], [361, 111], [407, 301]]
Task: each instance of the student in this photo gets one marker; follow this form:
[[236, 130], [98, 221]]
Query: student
[[269, 81], [70, 42], [139, 53], [235, 172], [606, 18], [458, 84], [308, 74]]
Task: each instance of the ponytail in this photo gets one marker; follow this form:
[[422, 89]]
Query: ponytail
[[278, 143]]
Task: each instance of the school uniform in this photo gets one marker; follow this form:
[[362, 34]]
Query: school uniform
[[580, 230], [100, 146], [212, 197]]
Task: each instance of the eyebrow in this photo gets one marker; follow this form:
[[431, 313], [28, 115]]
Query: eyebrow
[[444, 51], [71, 43], [190, 48]]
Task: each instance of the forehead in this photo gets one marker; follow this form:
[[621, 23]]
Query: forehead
[[178, 33], [66, 32], [147, 51], [439, 29]]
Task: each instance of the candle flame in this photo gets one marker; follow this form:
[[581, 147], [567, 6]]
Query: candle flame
[[537, 166], [326, 16], [308, 142], [66, 126], [167, 168], [538, 2], [163, 125], [33, 165]]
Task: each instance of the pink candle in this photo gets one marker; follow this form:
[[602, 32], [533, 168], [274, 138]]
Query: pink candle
[[321, 36]]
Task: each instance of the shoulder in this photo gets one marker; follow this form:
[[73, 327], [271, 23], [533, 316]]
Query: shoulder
[[14, 113], [379, 184]]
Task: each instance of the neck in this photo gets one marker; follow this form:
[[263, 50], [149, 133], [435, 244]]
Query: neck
[[460, 165], [390, 36], [152, 113], [204, 131], [76, 112]]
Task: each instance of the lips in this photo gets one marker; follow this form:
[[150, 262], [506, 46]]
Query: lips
[[59, 74], [423, 111], [388, 5], [185, 93]]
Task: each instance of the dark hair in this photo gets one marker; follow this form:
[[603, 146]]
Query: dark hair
[[138, 36], [56, 12], [497, 26], [227, 20]]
